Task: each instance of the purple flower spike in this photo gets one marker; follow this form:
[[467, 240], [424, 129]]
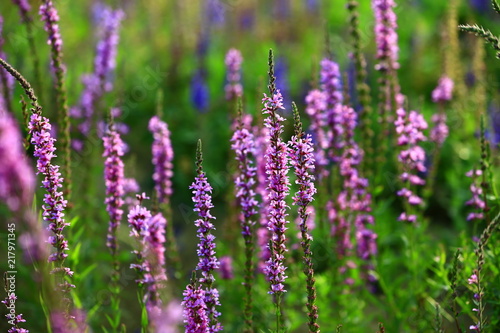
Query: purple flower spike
[[196, 319], [24, 6], [476, 201], [114, 180], [233, 88], [53, 209], [13, 318], [163, 156], [409, 129], [208, 262], [316, 109], [385, 35], [99, 82], [278, 187], [17, 178], [51, 18]]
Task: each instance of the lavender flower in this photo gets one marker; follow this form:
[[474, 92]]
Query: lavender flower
[[263, 233], [100, 81], [316, 109], [278, 187], [226, 268], [51, 18], [331, 85], [233, 88], [385, 35], [208, 262], [302, 160], [16, 175], [409, 129], [24, 6], [200, 95], [441, 95], [439, 132], [195, 309], [13, 319], [149, 231], [243, 144], [163, 156], [443, 92], [114, 179], [6, 80], [476, 201]]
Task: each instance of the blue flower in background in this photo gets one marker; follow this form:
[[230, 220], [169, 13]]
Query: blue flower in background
[[282, 83], [312, 5], [482, 6], [215, 13], [282, 9], [200, 95]]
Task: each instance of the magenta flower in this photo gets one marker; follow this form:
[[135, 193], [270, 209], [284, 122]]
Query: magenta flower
[[278, 187], [17, 178], [208, 262], [113, 179], [444, 90], [439, 132], [14, 319], [163, 156], [233, 88]]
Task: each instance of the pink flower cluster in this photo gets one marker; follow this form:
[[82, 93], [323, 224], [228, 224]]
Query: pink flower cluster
[[386, 36], [163, 156]]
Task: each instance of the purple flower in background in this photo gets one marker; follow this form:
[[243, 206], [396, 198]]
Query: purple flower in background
[[331, 85], [149, 231], [282, 81], [196, 318], [24, 6], [200, 94], [208, 262], [6, 80], [215, 12], [163, 156], [105, 59], [312, 5], [409, 129], [233, 62], [476, 201], [50, 16], [113, 179], [99, 82], [226, 267], [385, 35], [316, 109], [331, 82], [439, 132], [281, 11], [444, 90], [278, 187], [17, 178]]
